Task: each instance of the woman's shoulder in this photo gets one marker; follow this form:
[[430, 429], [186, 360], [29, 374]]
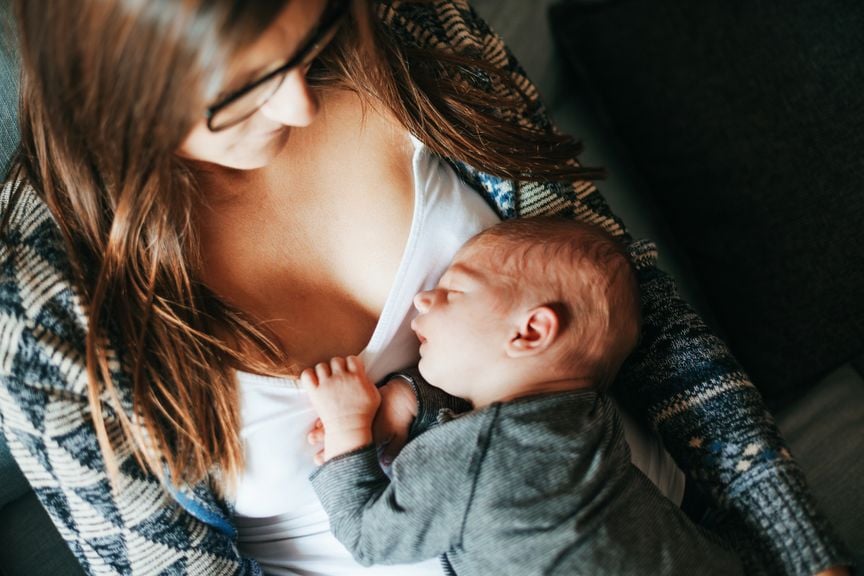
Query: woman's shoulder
[[20, 207], [447, 17], [449, 26], [42, 319], [27, 223]]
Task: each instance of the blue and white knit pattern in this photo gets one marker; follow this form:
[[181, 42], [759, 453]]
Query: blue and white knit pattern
[[682, 380]]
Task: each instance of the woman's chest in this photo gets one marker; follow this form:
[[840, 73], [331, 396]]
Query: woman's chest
[[313, 248]]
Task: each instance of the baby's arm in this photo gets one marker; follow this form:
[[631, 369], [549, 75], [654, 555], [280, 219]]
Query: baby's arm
[[409, 406], [429, 400], [346, 402], [415, 516]]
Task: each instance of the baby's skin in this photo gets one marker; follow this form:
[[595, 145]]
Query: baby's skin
[[346, 402]]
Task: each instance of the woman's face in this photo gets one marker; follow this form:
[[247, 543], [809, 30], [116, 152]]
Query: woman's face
[[255, 141]]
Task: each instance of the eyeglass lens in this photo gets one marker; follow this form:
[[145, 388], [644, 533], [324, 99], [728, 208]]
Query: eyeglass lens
[[246, 105]]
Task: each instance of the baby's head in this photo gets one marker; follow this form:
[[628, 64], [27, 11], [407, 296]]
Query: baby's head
[[529, 306]]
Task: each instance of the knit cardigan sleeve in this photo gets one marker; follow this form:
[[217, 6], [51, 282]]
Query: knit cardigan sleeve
[[683, 380], [133, 526]]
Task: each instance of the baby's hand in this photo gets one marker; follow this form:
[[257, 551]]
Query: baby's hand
[[346, 402]]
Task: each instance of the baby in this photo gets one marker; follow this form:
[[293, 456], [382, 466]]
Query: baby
[[530, 324]]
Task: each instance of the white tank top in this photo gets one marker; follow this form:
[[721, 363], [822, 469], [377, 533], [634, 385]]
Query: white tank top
[[280, 520]]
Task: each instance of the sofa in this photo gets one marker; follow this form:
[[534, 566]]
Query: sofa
[[697, 109]]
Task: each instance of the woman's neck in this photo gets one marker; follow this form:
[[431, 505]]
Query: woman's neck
[[310, 245]]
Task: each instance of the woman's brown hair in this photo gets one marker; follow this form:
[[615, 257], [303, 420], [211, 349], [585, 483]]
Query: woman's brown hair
[[109, 90]]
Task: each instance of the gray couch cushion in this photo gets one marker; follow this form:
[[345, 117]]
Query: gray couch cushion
[[744, 119], [31, 546], [824, 431], [524, 26], [13, 485], [29, 542], [8, 88]]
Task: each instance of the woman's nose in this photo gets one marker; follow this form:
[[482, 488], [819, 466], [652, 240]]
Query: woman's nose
[[423, 301], [293, 104]]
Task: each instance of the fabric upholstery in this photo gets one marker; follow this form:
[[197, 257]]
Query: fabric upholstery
[[31, 545], [525, 28], [13, 485], [744, 118], [824, 431], [8, 88]]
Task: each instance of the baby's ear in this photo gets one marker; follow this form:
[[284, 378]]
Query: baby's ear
[[537, 331]]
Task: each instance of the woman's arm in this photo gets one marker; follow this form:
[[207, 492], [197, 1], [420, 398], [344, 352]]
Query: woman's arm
[[683, 379], [713, 422], [131, 528], [136, 527]]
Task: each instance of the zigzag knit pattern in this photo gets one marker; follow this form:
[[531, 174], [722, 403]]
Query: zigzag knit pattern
[[682, 380]]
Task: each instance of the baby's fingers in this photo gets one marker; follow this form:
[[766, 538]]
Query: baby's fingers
[[337, 365], [308, 379], [355, 364], [316, 435], [322, 370], [319, 458]]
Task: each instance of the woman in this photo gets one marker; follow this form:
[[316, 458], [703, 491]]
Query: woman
[[193, 212]]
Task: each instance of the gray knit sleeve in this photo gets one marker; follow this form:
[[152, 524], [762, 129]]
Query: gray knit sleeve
[[414, 517]]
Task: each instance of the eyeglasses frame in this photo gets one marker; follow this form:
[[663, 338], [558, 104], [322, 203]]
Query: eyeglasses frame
[[334, 12]]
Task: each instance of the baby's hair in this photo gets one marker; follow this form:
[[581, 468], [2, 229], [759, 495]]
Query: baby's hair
[[582, 273]]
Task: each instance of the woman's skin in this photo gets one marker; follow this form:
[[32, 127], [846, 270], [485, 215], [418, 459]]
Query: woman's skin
[[308, 208]]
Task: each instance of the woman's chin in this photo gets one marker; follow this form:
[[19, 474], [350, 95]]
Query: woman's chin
[[255, 157], [252, 153], [248, 163]]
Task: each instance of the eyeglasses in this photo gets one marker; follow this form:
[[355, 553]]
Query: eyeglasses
[[244, 102]]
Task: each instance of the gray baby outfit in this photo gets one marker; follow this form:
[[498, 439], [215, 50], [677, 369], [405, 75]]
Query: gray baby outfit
[[538, 485]]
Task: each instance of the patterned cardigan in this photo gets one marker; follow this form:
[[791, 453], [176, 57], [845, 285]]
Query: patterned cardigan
[[682, 380]]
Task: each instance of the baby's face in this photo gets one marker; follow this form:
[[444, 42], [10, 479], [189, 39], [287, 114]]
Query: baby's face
[[463, 324]]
